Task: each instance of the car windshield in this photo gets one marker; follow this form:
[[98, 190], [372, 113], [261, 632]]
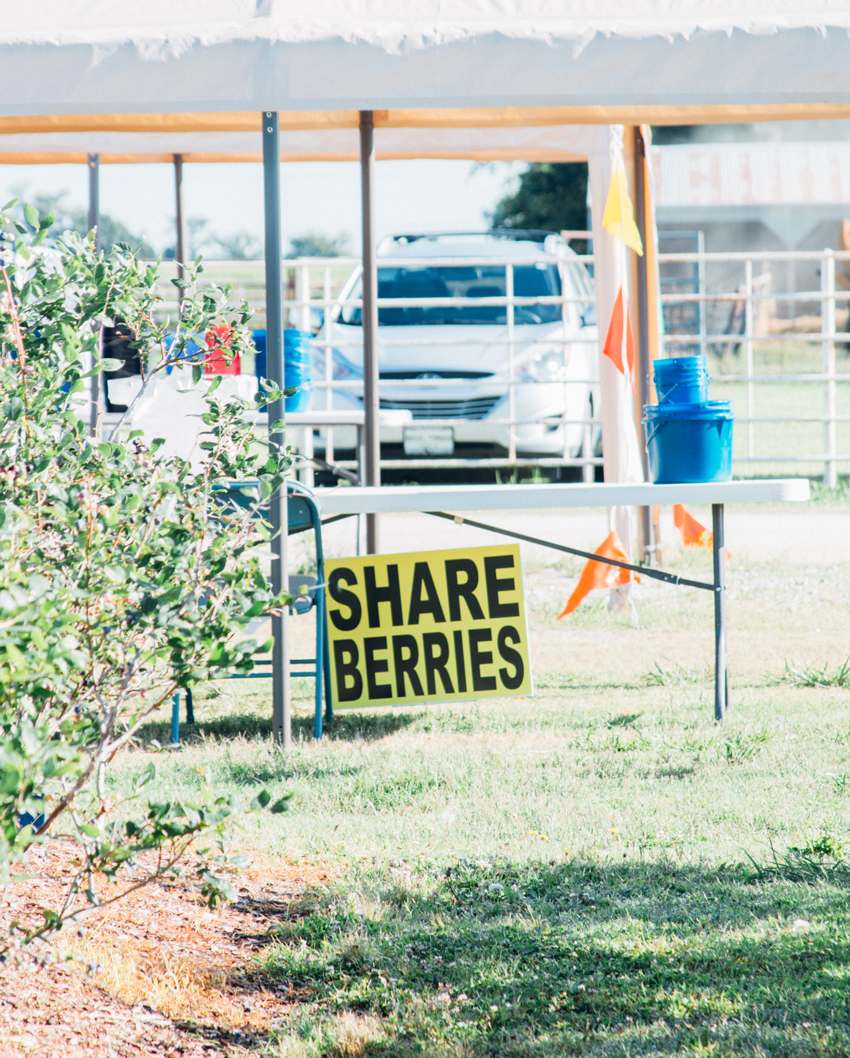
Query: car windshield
[[462, 281]]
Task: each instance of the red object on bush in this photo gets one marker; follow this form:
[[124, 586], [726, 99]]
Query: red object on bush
[[218, 339]]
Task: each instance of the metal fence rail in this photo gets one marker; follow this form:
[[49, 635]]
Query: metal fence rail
[[733, 316], [756, 317]]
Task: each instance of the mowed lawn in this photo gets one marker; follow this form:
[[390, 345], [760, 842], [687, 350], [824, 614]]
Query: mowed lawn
[[597, 870]]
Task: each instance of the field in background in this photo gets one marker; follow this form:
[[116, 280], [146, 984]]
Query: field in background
[[596, 870], [782, 400]]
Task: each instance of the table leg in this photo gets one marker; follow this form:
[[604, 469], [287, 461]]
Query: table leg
[[308, 474], [361, 457], [721, 675], [361, 464], [175, 719]]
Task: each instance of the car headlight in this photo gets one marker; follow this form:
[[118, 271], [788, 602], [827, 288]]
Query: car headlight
[[547, 366], [343, 370]]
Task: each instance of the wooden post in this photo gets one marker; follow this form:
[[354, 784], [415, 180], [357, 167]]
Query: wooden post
[[642, 366]]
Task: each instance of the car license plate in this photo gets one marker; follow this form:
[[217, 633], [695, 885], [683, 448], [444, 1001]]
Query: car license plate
[[429, 441]]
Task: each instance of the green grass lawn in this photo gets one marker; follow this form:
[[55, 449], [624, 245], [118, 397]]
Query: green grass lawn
[[597, 870], [600, 870]]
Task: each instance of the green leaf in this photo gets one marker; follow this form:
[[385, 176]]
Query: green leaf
[[282, 805], [197, 373], [31, 216], [9, 204], [261, 800], [110, 364]]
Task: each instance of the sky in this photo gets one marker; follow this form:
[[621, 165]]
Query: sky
[[323, 197]]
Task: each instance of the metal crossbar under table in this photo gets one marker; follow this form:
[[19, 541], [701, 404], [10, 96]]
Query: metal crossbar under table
[[438, 500]]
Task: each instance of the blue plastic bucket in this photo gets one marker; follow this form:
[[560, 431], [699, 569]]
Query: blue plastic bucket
[[681, 380], [689, 443], [296, 365], [297, 351]]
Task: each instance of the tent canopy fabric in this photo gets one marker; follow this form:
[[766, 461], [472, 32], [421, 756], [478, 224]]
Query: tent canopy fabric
[[659, 61], [550, 143]]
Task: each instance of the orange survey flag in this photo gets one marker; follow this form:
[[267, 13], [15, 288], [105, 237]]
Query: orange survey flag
[[600, 574], [693, 534], [613, 348]]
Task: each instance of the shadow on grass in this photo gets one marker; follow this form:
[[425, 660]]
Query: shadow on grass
[[345, 727], [547, 960]]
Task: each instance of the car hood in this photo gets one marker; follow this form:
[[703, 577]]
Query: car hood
[[446, 347]]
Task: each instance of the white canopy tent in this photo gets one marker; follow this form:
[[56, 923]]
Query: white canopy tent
[[609, 61], [240, 65]]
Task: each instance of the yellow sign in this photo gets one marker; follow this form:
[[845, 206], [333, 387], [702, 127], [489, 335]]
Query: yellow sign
[[431, 626]]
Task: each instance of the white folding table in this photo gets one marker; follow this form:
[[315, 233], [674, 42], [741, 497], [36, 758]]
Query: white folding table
[[451, 499]]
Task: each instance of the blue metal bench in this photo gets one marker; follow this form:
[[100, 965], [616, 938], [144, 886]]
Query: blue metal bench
[[302, 514]]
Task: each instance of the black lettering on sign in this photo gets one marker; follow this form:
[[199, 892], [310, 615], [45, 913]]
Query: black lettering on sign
[[465, 589], [347, 598], [507, 635], [406, 666], [492, 564], [435, 647], [459, 662], [347, 648], [390, 593], [478, 658], [374, 665], [431, 603]]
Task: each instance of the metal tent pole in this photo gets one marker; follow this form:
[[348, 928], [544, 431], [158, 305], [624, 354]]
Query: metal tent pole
[[281, 700], [643, 358], [721, 672], [94, 224], [94, 196], [180, 245], [371, 405]]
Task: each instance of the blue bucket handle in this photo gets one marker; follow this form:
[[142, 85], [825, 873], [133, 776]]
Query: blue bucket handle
[[670, 388], [655, 430]]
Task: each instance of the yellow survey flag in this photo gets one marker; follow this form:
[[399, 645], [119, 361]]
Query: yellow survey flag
[[619, 216]]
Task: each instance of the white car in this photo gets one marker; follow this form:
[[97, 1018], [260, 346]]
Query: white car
[[445, 368]]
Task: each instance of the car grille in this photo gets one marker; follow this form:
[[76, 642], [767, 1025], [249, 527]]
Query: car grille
[[444, 409]]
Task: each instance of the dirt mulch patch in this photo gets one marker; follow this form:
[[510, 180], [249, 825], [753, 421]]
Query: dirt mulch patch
[[156, 974]]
